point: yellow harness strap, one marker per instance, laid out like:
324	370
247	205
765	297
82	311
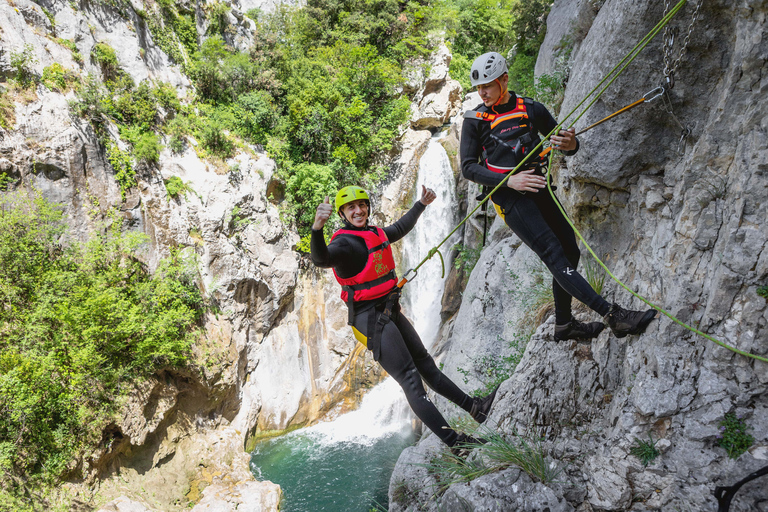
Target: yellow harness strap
362	338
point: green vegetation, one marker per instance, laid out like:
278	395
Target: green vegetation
595	275
106	57
645	450
733	436
500	451
78	323
763	291
7	110
514	28
21	63
466	258
55	77
176	187
536	300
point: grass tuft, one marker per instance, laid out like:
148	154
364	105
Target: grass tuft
645	450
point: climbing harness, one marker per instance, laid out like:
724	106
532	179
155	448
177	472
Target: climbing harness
377	321
597	91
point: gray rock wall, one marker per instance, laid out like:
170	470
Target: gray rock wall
680	223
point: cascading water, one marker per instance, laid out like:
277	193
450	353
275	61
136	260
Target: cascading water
345	464
422	298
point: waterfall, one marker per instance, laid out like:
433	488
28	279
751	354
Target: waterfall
422	298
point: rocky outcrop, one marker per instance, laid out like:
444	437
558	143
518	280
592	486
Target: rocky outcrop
276	354
438	98
679	221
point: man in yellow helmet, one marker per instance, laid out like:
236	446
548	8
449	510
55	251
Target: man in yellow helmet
362	262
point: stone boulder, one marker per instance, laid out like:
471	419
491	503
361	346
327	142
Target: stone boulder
439	97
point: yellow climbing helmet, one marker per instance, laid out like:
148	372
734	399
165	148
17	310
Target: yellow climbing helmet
349	194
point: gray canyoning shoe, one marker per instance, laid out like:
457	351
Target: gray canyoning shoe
575	330
625	321
482	406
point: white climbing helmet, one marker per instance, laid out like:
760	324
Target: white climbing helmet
487	68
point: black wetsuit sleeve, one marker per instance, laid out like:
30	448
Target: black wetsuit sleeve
318	250
471	149
544	123
346	254
403	225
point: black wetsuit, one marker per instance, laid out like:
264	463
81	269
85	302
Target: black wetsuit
403	355
533	216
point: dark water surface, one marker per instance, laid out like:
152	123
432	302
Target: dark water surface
318	475
343	465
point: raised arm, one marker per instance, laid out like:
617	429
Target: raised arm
405	223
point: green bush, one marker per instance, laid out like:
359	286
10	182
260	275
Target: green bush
645	450
214	139
54	77
147	148
763	291
21	63
176	187
105	56
90	102
78	324
122	164
733	435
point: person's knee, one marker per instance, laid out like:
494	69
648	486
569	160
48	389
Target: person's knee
412	385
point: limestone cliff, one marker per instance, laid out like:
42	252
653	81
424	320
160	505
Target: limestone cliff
276	352
673	197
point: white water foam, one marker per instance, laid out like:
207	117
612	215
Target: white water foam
383	412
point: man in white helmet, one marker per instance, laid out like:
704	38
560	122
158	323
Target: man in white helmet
496	136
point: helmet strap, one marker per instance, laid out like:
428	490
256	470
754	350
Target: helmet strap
502	93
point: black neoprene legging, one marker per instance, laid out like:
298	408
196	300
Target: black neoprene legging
535	218
404	357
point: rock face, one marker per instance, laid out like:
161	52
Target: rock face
277	355
438	99
681	221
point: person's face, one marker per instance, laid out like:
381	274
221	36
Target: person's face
356	212
491	92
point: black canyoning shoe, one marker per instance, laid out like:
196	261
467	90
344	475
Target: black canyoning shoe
625	321
465	444
575	330
481	406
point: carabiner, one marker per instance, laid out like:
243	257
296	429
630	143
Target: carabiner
657	92
405	277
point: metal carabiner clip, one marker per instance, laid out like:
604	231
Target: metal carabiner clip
406	279
654	93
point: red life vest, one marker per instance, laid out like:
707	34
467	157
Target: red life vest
511	137
377	277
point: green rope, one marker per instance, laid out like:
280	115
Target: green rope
604	83
610	78
654	306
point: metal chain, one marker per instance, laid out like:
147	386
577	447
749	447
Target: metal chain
669	41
